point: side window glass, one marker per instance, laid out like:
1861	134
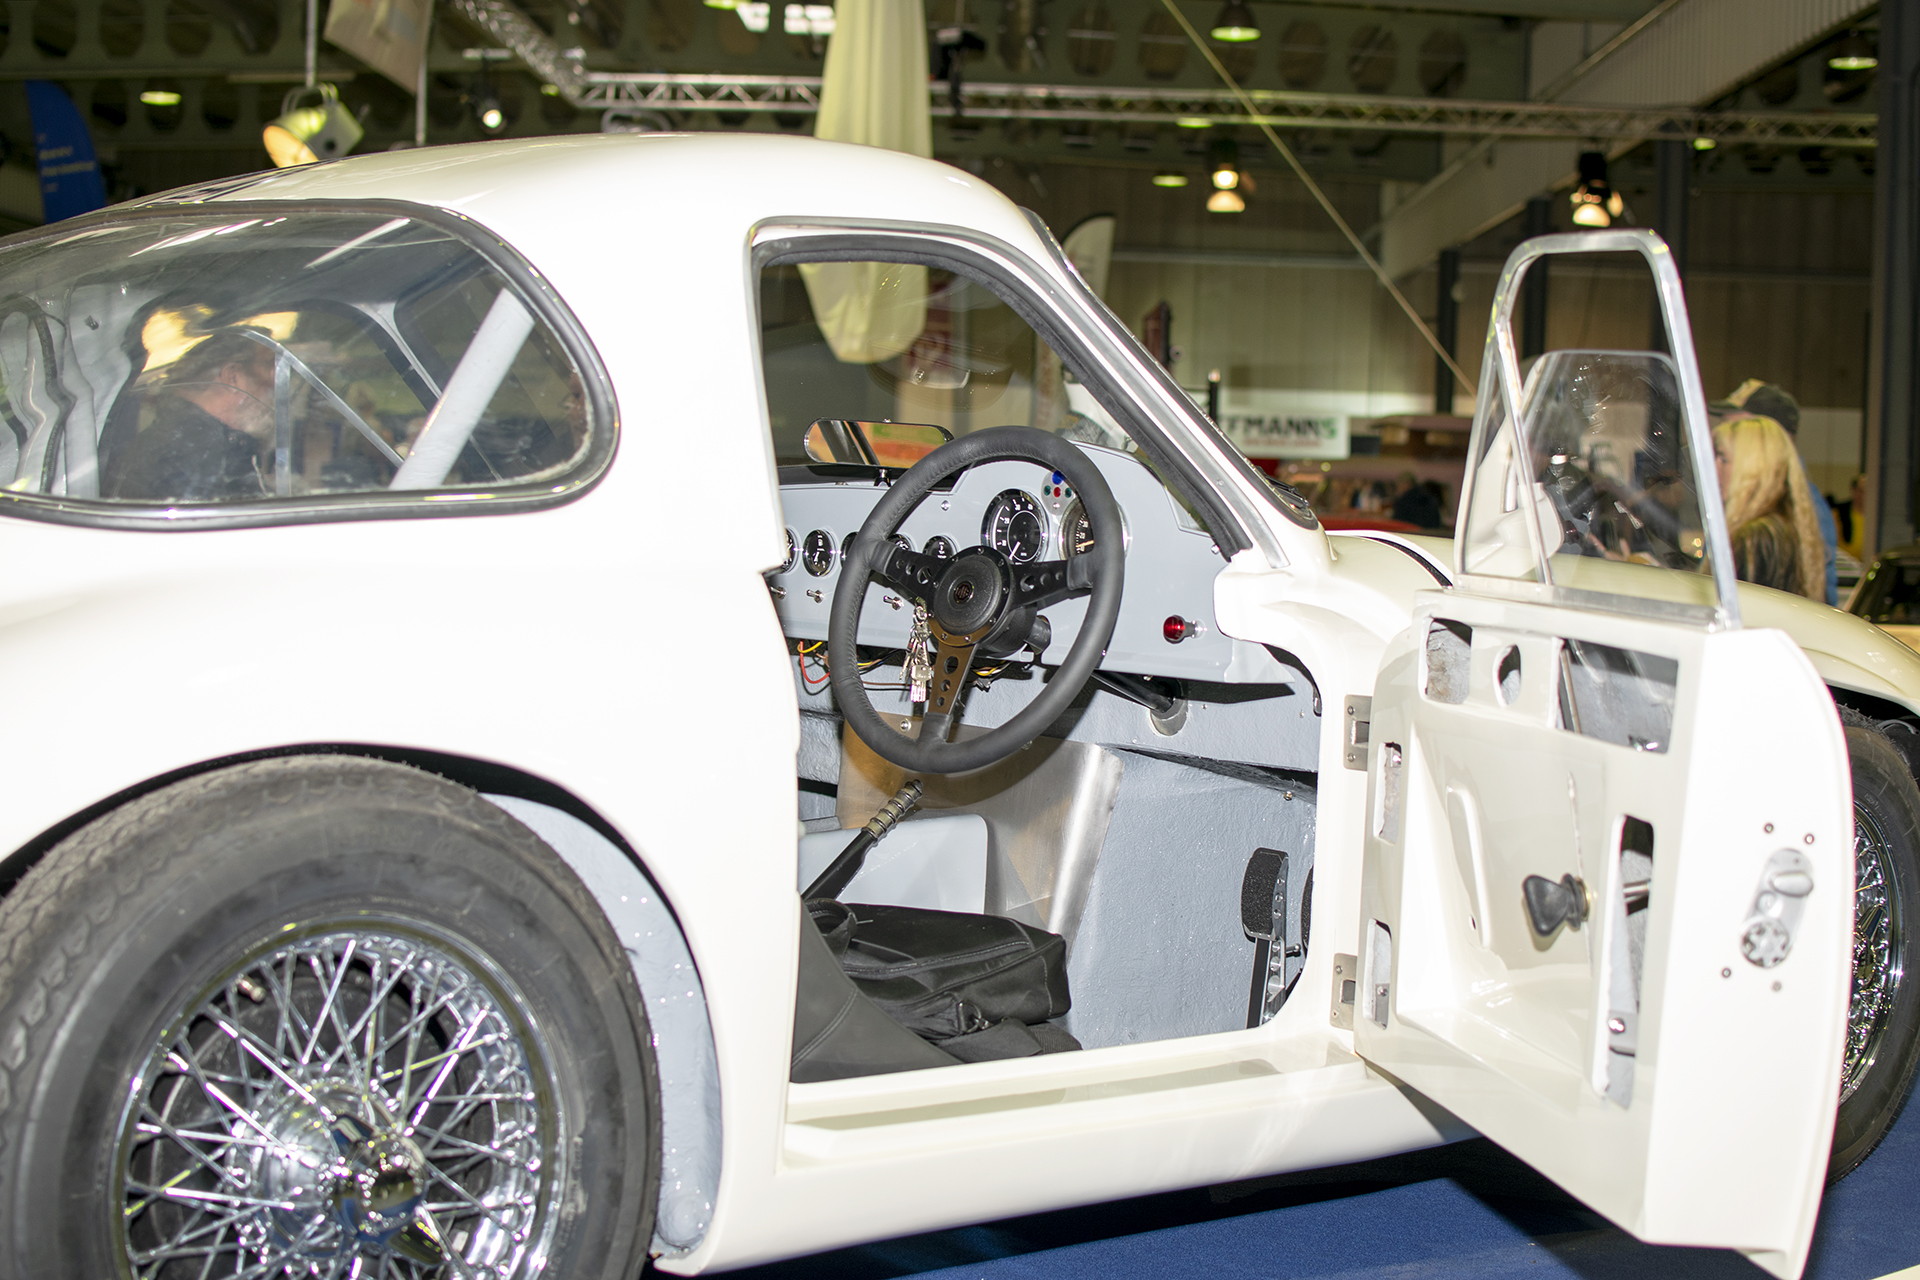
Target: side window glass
1497	542
1610	484
214	359
901	342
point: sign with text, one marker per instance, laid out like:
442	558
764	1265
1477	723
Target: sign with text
1283	431
1306	422
70	180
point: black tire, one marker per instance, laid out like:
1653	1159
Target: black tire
207	920
1883	1019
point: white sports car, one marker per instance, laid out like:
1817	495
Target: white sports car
701	697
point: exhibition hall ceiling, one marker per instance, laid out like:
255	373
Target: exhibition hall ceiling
178	90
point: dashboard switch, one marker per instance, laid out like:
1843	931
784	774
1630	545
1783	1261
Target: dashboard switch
1177	628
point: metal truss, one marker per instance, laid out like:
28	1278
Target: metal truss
659	91
800	95
515	30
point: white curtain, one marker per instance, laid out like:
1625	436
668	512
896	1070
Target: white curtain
873	92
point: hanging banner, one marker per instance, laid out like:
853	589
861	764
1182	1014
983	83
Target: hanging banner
388	35
63	149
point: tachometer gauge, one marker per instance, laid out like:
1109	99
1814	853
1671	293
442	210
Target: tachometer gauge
817	553
793	553
1015	527
938	547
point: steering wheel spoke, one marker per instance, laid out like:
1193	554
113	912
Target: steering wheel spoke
911	573
952	668
1035	586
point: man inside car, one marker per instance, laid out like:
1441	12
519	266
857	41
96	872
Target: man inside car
212	416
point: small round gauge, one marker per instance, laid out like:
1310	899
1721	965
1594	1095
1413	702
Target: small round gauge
846	545
1015	527
938	547
1076	531
817	553
793	553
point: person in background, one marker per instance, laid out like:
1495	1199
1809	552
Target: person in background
1770	507
1417	504
1771	401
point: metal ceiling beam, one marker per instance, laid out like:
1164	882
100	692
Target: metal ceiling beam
659	91
516	31
1690	52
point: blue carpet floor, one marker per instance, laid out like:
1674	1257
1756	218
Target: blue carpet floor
1469	1210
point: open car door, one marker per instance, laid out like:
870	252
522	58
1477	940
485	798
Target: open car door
1608	884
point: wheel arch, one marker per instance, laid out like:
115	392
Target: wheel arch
645	922
1884	713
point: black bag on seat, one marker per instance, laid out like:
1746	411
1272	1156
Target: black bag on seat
838	1032
949	974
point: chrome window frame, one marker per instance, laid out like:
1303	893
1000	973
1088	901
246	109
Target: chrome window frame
1500	377
372	504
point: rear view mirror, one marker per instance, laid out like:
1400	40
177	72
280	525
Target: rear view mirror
872	444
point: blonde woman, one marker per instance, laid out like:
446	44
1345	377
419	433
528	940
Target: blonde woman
1770	516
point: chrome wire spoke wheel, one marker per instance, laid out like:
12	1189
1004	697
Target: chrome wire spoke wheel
347	1102
1877	947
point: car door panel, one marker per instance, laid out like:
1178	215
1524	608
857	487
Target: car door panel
1698	1112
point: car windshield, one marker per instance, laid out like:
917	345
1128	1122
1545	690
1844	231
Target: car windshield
1891	593
893	342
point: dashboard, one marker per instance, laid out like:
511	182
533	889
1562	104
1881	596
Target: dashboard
1028	514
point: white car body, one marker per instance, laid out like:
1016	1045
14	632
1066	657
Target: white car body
665	705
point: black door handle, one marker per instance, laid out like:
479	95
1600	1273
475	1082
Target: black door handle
1551	904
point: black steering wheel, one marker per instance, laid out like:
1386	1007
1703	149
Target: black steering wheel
978	600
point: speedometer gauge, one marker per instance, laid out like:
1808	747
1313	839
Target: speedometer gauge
1015	527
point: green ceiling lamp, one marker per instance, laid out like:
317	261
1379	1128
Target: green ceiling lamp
321	130
1236	24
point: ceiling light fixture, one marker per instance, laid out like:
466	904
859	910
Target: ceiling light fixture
1595	203
1194	122
160	98
1223	158
1169	179
486	109
1226	202
1857	52
1236	24
1704	144
321	131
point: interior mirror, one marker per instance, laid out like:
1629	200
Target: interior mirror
872	444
